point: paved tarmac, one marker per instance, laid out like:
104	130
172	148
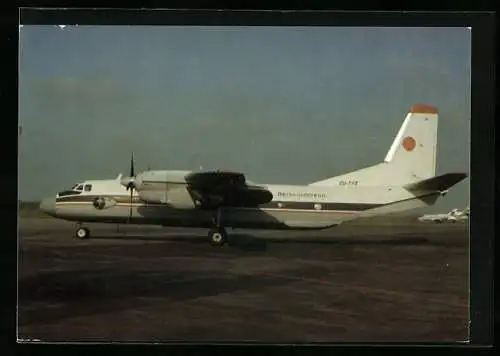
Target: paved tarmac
403	282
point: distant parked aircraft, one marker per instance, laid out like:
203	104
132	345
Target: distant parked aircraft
453	216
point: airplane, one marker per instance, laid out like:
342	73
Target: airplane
220	199
453	216
460	215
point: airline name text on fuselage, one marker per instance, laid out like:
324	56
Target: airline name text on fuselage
301	195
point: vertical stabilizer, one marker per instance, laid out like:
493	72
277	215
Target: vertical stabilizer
411	157
414	148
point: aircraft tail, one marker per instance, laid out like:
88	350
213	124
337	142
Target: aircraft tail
465	211
411	157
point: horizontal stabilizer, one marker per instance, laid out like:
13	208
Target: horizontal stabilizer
438	183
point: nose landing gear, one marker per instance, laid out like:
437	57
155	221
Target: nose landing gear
82	232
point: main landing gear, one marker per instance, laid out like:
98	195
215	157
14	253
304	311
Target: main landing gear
82	233
217	235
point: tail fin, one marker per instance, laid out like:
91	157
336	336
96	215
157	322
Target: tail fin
411	157
466	211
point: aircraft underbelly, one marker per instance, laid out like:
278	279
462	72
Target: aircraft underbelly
287	218
164	215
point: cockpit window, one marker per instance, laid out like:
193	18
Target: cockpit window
68	192
88	187
74	190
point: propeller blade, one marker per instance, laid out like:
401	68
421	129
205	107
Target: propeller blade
130	206
130	180
132	171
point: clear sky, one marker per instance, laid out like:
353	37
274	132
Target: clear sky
281	104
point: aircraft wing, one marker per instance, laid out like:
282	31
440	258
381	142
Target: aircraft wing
438	183
223	188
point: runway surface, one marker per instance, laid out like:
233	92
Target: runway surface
401	282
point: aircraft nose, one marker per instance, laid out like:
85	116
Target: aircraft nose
48	205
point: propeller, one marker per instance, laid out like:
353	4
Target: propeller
129	183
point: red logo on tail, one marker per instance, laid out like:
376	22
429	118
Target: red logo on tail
409	143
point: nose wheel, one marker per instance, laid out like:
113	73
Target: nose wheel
82	233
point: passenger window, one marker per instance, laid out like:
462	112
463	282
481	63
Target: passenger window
88	187
80	187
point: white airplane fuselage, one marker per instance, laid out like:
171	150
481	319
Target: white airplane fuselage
292	207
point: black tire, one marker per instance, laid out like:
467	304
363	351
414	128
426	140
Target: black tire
82	233
217	237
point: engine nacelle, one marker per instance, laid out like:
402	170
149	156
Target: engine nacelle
152	196
178	198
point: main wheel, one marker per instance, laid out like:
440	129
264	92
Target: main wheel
217	237
82	233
